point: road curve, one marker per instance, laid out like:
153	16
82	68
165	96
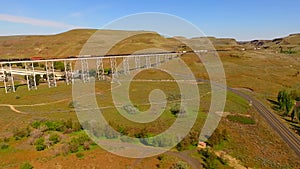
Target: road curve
288	136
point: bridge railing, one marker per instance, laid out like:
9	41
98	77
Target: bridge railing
88	66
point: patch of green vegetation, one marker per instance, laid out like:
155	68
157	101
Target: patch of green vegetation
51	125
180	165
57	125
211	160
235	103
289	51
74	145
55	138
177	111
241	119
26	165
21	133
80	142
188	142
4	146
40	144
79	155
217	137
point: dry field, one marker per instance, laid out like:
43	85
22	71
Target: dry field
262	72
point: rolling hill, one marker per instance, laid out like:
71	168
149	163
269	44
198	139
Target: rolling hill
71	42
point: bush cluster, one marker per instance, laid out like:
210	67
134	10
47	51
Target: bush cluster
211	160
180	165
190	140
3	145
40	144
57	125
26	165
82	140
21	133
241	119
217	137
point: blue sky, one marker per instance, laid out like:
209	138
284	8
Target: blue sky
243	20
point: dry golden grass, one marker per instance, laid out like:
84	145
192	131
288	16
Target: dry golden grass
265	72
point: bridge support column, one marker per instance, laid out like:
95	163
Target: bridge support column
113	66
170	56
137	60
85	73
8	79
51	79
148	62
30	76
157	57
68	73
12	79
126	65
100	69
4	77
165	58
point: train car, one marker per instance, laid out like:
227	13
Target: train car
36	58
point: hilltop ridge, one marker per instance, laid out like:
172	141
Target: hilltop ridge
70	43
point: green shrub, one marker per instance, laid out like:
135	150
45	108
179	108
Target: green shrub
122	130
72	104
55	138
40	144
176	110
76	126
36	124
190	140
211	160
3	146
110	133
79	155
86	145
241	119
21	133
73	145
59	66
55	126
49	125
68	124
26	165
83	138
40	147
180	165
217	137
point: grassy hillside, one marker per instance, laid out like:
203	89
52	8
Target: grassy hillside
291	42
70	43
49	46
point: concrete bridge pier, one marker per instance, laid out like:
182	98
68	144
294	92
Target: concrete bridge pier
69	77
51	79
30	76
8	79
100	69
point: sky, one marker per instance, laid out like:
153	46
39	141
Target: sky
242	20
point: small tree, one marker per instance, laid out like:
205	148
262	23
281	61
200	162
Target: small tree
285	101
